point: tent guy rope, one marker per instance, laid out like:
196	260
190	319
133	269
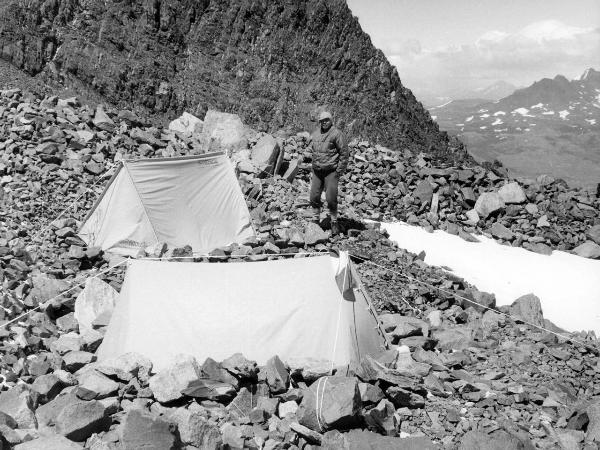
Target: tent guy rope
72	288
515	318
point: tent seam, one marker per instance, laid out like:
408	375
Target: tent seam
141	201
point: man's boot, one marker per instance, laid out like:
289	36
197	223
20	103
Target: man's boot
316	216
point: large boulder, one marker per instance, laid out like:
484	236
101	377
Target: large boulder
588	249
423	192
79	420
265	154
593	428
19	403
362	439
141	430
594	233
56	442
186	124
47	414
96	298
45	288
97	385
102	121
223	131
194	429
529	309
330	402
488	203
512	193
277	376
168	384
498	440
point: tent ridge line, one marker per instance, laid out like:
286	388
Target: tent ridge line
97	202
141	200
176	158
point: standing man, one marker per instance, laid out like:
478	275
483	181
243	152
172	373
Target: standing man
330	160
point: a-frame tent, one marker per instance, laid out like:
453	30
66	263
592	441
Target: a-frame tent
191	200
311	309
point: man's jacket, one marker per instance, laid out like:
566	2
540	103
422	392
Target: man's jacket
329	150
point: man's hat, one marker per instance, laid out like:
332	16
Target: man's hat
325	115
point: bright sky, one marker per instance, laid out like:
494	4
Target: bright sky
451	44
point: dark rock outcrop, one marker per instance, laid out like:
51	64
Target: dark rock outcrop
273	63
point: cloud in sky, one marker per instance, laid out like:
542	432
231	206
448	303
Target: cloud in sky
541	49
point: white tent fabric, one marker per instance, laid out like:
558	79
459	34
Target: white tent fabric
193	200
292	308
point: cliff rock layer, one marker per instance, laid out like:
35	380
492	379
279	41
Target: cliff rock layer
273	62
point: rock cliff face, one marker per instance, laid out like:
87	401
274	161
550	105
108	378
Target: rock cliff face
273	62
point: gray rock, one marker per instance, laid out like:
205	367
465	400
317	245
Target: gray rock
100	385
593	234
233	436
222	131
370	394
488	203
265	153
49	443
423	192
501	232
69	342
127	366
498	440
19	403
79	420
588	249
593	429
95	299
102	120
338	404
277	376
512	193
47	414
48	386
455	338
381	418
314	234
77	359
287	408
362	439
195	430
141	430
529	309
168	384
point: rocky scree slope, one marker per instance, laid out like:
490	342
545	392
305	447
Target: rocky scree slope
273	63
473	377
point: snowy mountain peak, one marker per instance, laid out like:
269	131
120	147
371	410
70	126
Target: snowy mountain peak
590	75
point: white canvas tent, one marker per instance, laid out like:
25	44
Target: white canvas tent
193	200
292	308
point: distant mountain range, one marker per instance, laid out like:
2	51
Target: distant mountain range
495	91
552	126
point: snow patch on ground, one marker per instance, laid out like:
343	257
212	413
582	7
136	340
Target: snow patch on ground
591	121
499	113
468	119
563	114
433	117
546	113
522	111
484	116
539	105
497	122
568	285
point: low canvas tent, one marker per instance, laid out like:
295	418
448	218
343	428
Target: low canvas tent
191	200
303	309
